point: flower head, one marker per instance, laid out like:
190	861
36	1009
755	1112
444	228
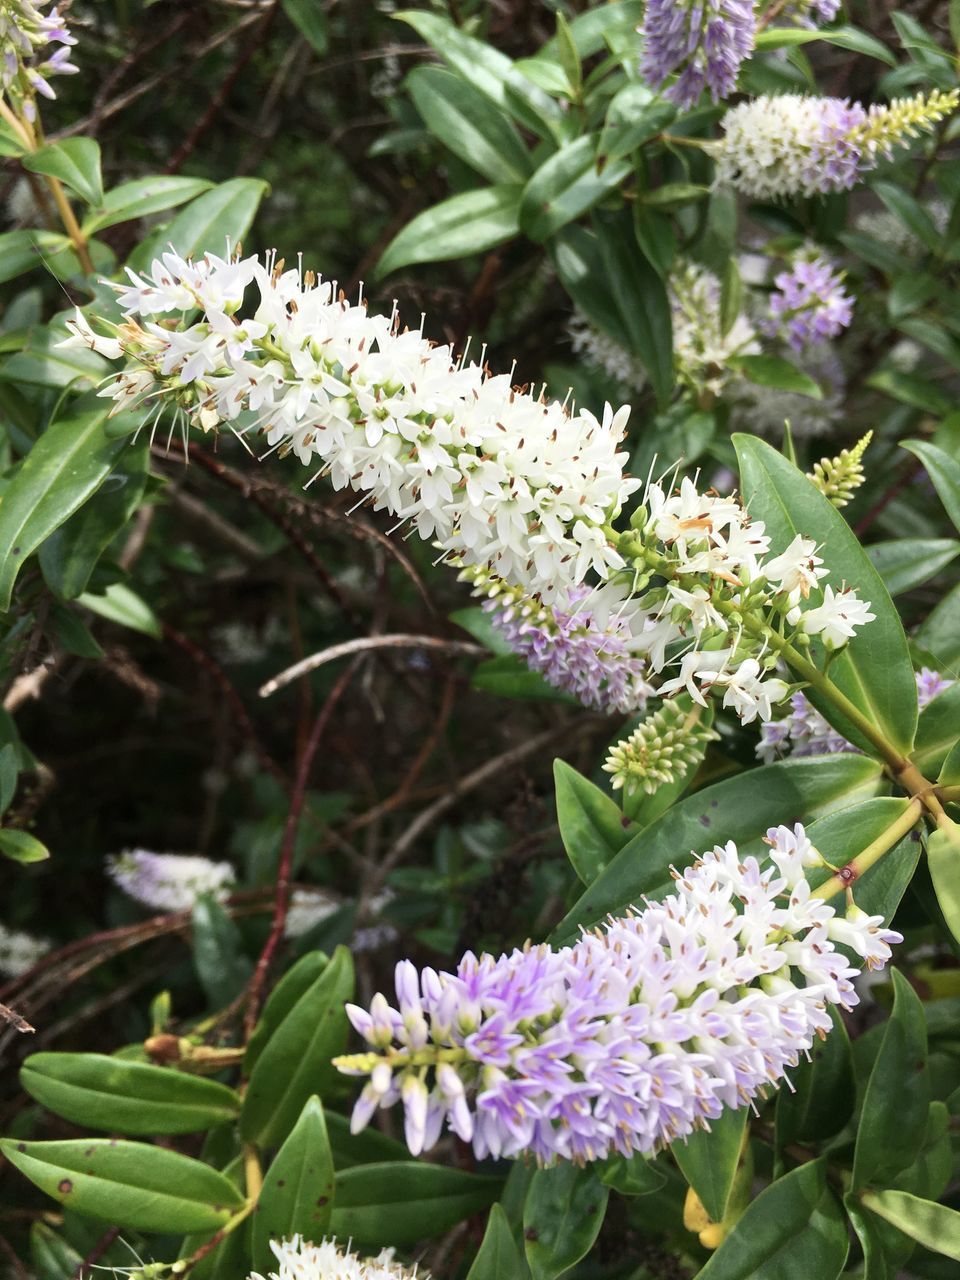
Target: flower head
170	881
308	908
664	748
297	1259
19	951
704	40
702	350
633	1037
34	45
808	306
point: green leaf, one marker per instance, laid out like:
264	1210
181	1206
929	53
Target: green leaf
774	371
20	846
943	859
912	389
944	471
878	1262
298	1189
65	467
508	676
632	1175
731	296
478	623
123	606
366	1147
75	161
674	193
490	71
591	30
635	115
939	634
71	632
378	1205
897	1096
222	214
498	1257
822	1095
310	19
582	271
566	185
794	1228
935	1226
562	1217
905	563
296	982
295	1062
708	1160
874	670
741	808
569	54
911	213
129	1184
469	223
221	967
592	827
53	1257
45	363
467	122
844	37
21	251
937	730
70	554
641	299
143	197
840	836
127	1097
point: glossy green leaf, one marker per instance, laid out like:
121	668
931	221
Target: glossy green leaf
498	1257
221	967
21	251
937	731
794	1229
874	670
569	54
911	213
708	1160
469	223
135	1098
295	1063
298	1188
674	194
467	122
911	389
120	604
378	1205
641	300
75	161
935	1226
943	859
774	371
562	1217
582	271
944	471
845	37
129	1184
490	71
939	633
53	1258
143	197
508	676
741	808
21	846
905	563
895	1103
841	835
310	19
632	1176
821	1096
878	1262
70	554
566	185
592	827
635	115
71	632
223	214
296	982
65	467
949	775
591	30
366	1147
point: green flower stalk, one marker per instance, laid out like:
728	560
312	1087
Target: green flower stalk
840	477
666	747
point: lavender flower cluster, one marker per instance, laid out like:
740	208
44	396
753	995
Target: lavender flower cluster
809	305
637	1035
704	40
28	57
804	731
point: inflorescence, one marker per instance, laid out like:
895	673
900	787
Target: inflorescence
635	1036
298	1259
33	47
808	306
705	41
170	881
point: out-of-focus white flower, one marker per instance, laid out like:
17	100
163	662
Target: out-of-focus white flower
170	881
297	1259
308	908
19	951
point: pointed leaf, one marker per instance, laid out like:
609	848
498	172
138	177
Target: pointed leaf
142	197
822	1097
944	471
905	563
499	1257
21	846
379	1205
469	223
467	122
592	827
935	1226
75	161
562	1216
566	185
708	1160
297	1195
943	859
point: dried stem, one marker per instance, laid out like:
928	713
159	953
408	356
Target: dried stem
365	644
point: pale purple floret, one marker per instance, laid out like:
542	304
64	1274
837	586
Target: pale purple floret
28	37
637	1035
704	40
804	732
574	652
809	305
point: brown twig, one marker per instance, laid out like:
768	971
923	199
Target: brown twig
16	1021
298	800
96	1253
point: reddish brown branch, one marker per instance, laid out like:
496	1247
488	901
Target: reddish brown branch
85	1268
284	869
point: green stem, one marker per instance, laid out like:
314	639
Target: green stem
857	866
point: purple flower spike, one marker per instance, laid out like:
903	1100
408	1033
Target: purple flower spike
637	1035
704	40
809	305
